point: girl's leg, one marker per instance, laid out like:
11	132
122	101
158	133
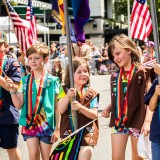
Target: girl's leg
155	150
85	153
134	141
33	148
119	142
45	150
14	154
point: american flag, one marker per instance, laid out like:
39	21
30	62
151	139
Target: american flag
32	19
20	28
141	24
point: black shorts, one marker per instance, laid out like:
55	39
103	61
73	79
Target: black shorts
9	136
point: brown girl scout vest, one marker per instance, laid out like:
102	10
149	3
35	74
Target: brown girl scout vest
136	107
91	132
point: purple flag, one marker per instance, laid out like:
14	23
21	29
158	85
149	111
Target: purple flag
81	14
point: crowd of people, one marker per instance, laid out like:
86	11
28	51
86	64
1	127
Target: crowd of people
38	84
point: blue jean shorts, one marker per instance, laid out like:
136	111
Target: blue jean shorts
45	139
155	150
9	136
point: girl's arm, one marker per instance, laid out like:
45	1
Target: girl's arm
57	114
154	100
17	99
146	125
148	118
90	113
63	102
5	86
55	134
106	111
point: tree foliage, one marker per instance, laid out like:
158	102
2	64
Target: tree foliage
121	8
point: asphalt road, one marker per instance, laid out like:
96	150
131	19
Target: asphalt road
102	150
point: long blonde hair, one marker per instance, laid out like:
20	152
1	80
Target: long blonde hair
124	42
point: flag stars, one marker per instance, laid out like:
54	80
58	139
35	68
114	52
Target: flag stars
141	1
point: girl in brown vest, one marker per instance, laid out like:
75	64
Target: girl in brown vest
128	85
86	105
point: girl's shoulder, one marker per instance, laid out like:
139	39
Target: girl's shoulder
90	92
147	72
54	78
26	76
114	75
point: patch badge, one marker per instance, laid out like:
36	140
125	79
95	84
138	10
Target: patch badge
16	64
6	68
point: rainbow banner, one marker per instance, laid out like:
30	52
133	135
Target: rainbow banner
69	148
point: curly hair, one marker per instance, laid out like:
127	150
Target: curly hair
77	61
40	48
124	42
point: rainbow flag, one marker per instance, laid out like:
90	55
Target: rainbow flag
58	13
69	148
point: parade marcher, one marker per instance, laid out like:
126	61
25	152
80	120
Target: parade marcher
128	84
152	99
9	115
86	105
37	96
148	51
11	52
57	69
53	50
82	50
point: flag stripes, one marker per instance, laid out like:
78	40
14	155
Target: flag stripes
32	19
26	33
141	24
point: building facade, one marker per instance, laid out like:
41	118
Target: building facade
103	25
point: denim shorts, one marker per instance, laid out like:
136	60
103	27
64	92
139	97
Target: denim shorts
9	136
45	139
155	150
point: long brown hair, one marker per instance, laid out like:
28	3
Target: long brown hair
78	61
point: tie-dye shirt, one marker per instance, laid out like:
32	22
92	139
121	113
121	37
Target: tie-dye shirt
41	127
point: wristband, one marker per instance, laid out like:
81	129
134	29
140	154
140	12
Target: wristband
14	92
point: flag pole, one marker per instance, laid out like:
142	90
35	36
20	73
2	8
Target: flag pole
78	130
128	11
155	32
70	57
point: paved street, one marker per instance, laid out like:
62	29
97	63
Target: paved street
103	149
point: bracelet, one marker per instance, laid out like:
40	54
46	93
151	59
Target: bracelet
14	92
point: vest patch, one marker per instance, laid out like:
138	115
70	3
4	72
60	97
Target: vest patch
67	132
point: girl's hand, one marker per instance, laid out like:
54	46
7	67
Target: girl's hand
9	83
106	111
76	106
55	135
146	128
71	93
157	90
156	67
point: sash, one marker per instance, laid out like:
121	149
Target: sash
121	116
2	67
32	113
